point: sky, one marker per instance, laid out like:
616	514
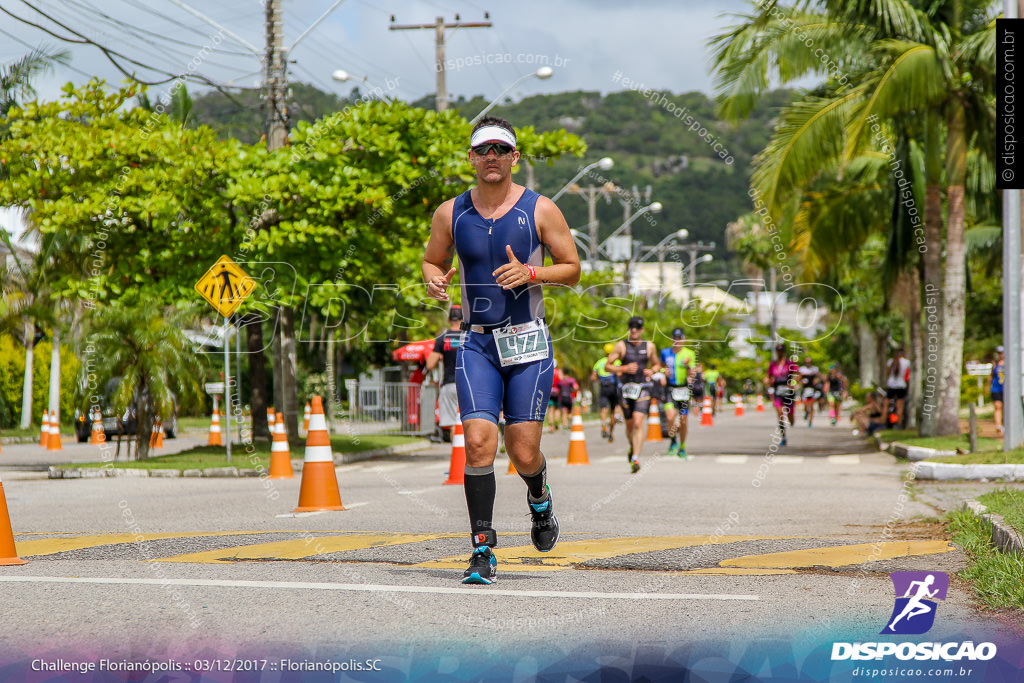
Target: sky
657	43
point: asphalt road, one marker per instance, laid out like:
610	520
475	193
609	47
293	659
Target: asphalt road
741	548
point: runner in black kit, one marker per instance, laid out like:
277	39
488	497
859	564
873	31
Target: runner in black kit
499	231
639	361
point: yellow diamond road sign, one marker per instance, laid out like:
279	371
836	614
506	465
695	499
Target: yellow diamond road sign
225	286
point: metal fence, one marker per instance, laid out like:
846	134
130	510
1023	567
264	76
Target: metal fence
387	408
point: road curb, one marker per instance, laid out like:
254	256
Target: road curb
916	453
944	471
71	472
948	471
17	440
1004	537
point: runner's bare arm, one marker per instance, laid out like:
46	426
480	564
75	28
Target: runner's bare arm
440	253
554	233
618	353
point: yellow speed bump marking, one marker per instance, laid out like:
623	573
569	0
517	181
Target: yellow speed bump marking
51	546
301	548
840	556
569	553
735	571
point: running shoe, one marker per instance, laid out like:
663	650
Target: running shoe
611	437
604	433
483	567
682	453
544	532
673	449
783	442
634	466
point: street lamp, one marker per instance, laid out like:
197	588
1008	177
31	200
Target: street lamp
604	163
542	73
706	258
654	207
681	234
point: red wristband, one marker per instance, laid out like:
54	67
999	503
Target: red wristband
533	272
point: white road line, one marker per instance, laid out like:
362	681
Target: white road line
844	459
731	459
375	588
789	459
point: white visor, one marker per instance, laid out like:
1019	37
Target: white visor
493	134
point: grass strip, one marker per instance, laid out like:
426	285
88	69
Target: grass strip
996	577
205	457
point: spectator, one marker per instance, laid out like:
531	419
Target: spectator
445	347
996	388
869	417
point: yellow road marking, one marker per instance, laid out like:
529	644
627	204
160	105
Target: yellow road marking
50	546
840	556
569	553
299	548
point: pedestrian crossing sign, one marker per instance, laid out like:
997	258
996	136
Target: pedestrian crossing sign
225	285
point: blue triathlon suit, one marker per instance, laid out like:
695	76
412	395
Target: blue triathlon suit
485	388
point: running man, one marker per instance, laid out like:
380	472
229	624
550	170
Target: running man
897	381
639	361
782	377
608	396
679	361
808	379
499	230
835	388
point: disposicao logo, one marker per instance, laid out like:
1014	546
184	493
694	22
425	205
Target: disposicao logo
914	613
916	595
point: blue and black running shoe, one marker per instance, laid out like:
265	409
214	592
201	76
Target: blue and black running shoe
483	567
544	533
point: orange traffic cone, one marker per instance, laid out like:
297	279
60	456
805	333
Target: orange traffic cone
44	436
739	407
98	436
157	441
53	444
270	421
653	422
577	440
705	413
280	453
760	403
457	466
305	419
319	487
8	554
511	467
215	439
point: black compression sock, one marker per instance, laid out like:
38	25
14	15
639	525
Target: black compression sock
536	482
480	488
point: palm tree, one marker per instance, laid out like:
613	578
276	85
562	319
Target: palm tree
16	77
910	63
146	349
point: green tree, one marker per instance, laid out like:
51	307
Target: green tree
897	67
144	347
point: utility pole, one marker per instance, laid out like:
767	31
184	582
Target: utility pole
275	81
439	25
591	193
628	200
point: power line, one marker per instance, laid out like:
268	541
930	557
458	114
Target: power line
158	51
33	47
110	54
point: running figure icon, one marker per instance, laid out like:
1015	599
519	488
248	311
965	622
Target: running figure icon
916	602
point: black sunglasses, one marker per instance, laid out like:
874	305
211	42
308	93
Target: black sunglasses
500	148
